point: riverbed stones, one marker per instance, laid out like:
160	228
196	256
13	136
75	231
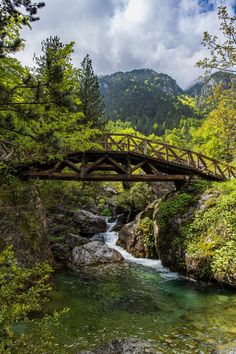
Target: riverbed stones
92	254
124	346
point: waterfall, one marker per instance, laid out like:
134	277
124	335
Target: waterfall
111	237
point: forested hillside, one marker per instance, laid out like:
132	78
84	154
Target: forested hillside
152	102
204	88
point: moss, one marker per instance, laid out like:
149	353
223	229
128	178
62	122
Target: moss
173	207
212	233
146	226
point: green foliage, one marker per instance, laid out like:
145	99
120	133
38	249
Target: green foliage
23	292
106	212
120	127
146	226
222	55
136	198
224	263
214	136
212	233
12	18
170	208
102	205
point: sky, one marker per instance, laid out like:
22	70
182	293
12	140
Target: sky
123	35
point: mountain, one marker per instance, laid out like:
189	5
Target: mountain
147	99
202	89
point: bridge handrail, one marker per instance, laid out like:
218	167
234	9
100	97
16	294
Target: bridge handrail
193	159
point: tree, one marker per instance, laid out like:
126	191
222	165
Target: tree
11	21
45	119
222	55
92	102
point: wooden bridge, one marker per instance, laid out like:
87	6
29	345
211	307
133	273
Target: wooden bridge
123	157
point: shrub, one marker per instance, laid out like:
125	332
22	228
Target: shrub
146	226
23	292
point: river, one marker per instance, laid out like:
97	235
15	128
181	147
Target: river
141	299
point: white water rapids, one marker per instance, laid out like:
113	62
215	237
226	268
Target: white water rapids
111	238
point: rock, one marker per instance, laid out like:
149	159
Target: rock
92	207
131	236
171	256
229	348
117	227
81	222
162	188
88	223
24	226
92	254
62	247
98	237
60	253
73	240
124	346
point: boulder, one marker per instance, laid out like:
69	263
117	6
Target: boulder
131	237
124	346
81	222
62	247
88	223
92	254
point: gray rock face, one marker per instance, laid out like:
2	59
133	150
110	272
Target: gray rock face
124	346
61	250
25	227
131	239
75	240
89	224
92	254
81	222
131	236
229	348
117	227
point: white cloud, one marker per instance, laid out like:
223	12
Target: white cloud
164	35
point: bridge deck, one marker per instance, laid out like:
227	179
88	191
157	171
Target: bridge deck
122	157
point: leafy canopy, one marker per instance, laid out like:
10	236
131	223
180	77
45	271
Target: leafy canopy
222	54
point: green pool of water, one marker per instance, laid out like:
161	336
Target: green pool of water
179	316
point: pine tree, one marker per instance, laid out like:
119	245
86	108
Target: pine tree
13	15
89	93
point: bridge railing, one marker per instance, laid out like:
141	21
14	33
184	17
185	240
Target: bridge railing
168	153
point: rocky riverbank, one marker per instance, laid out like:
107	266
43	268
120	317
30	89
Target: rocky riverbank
192	231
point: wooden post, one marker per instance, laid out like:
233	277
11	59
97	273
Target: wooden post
145	147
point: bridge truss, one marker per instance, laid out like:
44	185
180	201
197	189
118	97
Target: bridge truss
123	157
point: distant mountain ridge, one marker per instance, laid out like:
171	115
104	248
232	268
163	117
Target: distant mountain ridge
150	100
204	88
